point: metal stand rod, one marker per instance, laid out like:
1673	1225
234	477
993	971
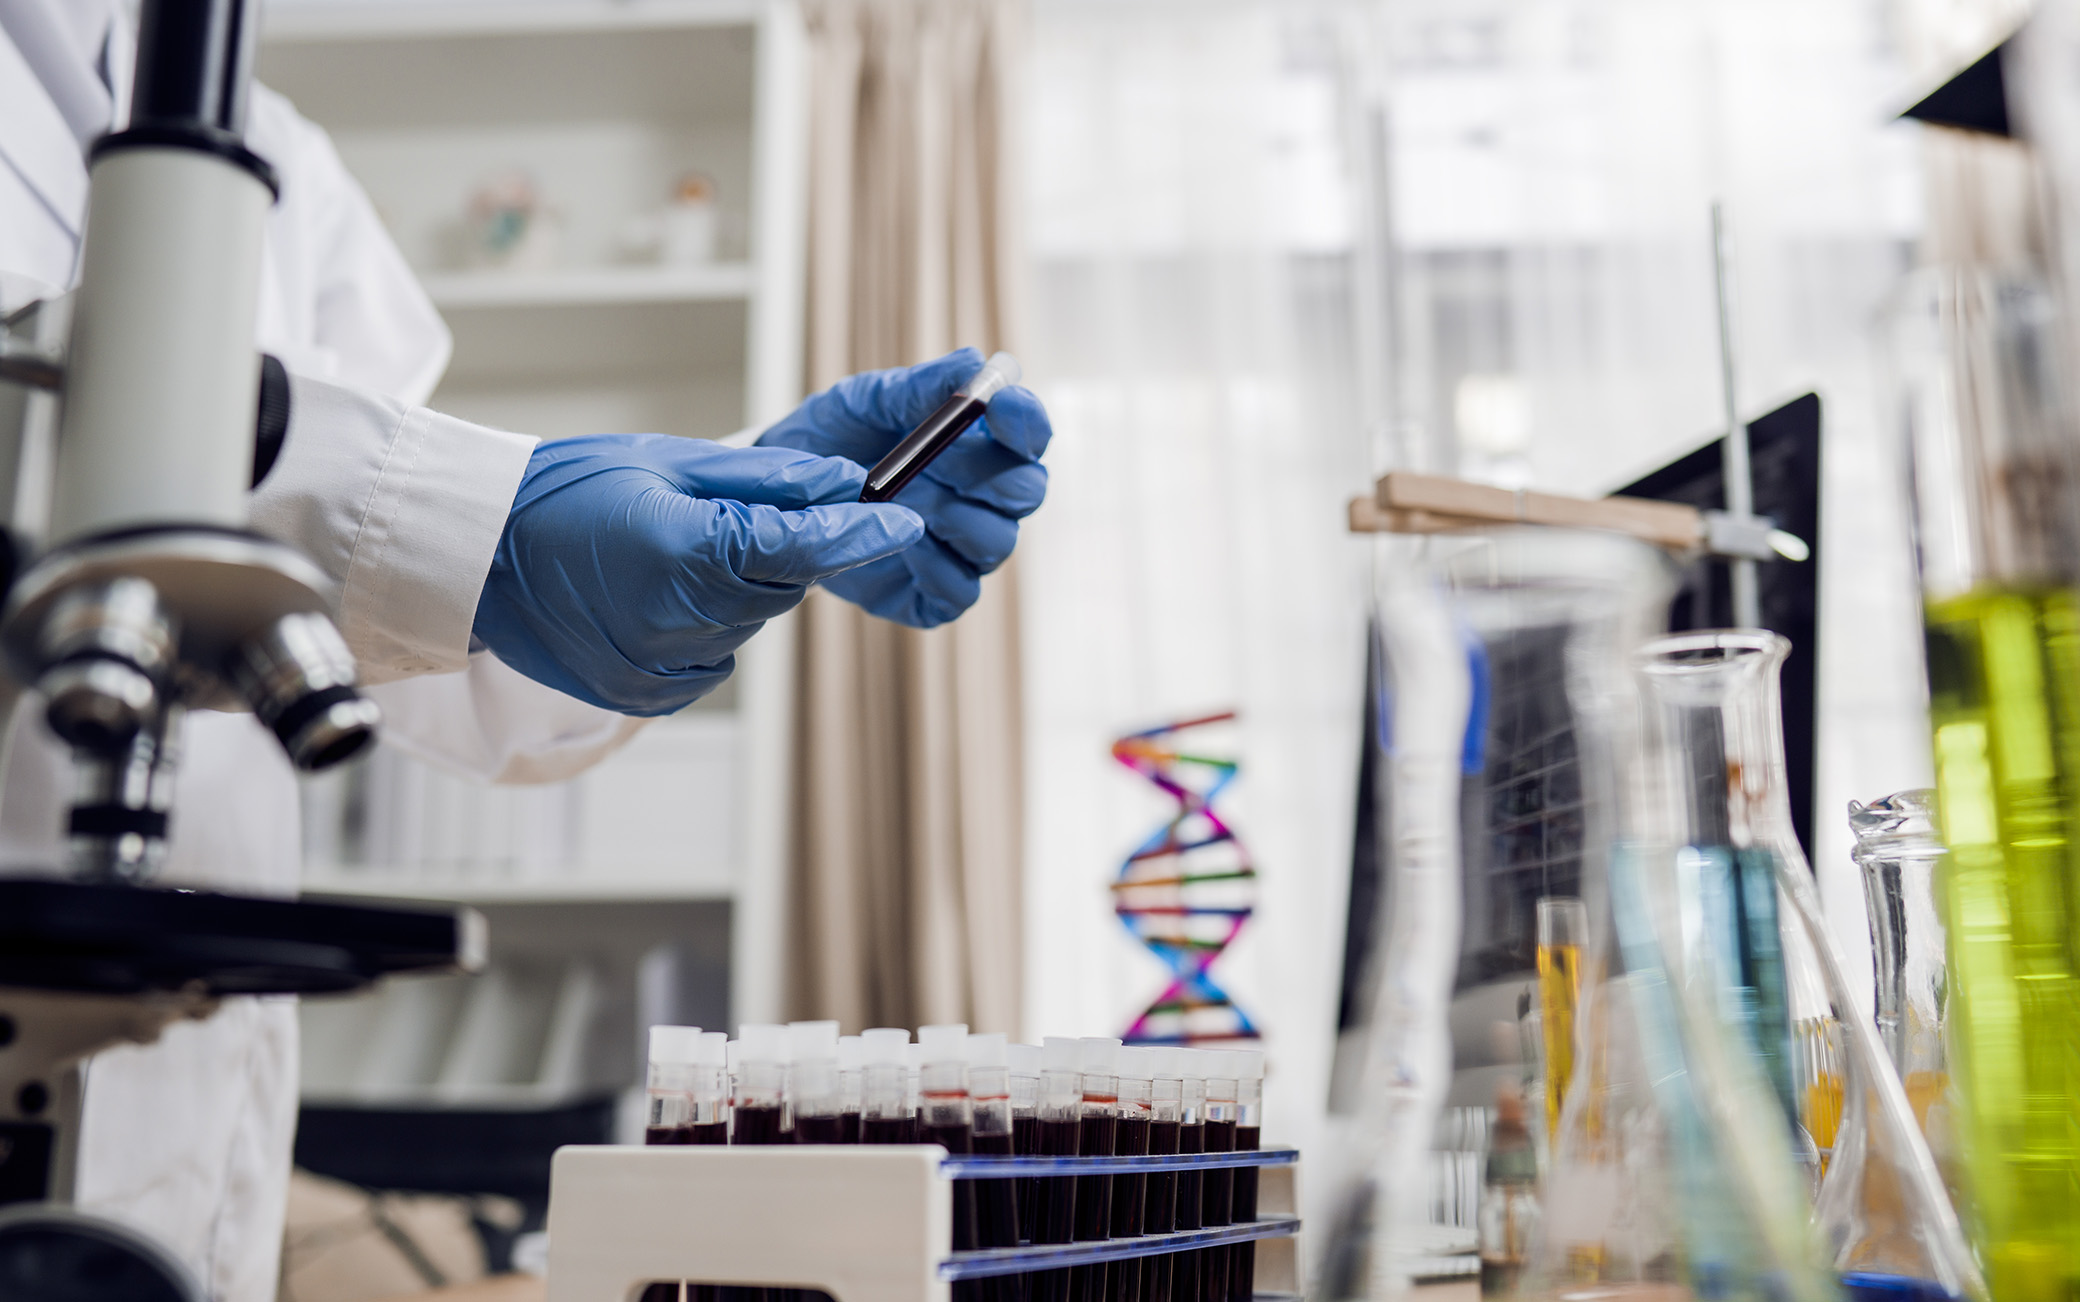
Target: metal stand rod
1740	480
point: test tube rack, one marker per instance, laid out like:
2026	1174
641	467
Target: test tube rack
863	1224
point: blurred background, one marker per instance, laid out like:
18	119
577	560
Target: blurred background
1253	253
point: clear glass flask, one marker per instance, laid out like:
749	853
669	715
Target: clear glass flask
1898	852
1979	362
1714	714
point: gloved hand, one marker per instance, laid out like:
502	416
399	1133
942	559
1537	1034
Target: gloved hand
633	565
971	498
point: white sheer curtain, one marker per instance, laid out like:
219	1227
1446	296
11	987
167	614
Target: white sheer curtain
1277	246
1554	166
1191	214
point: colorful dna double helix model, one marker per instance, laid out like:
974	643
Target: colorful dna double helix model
1186	891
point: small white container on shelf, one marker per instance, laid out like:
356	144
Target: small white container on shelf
865	1223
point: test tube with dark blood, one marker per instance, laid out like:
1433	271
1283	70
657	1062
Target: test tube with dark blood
1218	1195
885	1116
936	432
1249	1111
1061	1135
1024	1061
948	1115
813	1094
670	1100
1098	1059
761	1084
757	1116
851	1060
1159	1213
1130	1139
989	1097
1191	1138
710	1117
672	1051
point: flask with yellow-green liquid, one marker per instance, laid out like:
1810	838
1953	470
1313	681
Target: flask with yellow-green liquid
1997	506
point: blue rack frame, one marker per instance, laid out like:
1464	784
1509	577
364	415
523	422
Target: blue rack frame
984	1263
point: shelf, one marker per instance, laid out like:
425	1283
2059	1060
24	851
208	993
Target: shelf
398	884
589	287
329	20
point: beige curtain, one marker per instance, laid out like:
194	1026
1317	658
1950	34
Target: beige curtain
907	791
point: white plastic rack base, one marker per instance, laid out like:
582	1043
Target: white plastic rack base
863	1224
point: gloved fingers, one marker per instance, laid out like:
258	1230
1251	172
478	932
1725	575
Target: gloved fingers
924	587
1016	419
981	534
886	404
765	476
648	694
762	544
983	470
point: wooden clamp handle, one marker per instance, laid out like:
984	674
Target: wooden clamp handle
1405	502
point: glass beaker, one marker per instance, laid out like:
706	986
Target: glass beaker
1979	359
1504	654
1715	723
1897	852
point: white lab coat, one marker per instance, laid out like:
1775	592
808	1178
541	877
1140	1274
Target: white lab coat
189	1138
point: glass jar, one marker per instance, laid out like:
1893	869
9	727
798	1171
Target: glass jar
1979	362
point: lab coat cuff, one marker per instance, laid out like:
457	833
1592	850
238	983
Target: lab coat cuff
403	507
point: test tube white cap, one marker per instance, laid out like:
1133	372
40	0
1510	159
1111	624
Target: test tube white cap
987	1049
1169	1062
1024	1059
763	1041
1098	1055
1249	1064
1059	1053
913	1056
1137	1062
1000	372
1220	1065
884	1046
733	1055
852	1053
674	1043
713	1050
1191	1063
946	1043
812	1041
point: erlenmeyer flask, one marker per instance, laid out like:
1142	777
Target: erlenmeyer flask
1745	900
1979	365
1713	710
1898	852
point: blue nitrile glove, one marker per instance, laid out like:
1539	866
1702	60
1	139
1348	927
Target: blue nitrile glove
633	565
971	498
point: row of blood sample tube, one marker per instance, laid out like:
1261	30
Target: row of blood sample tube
803	1083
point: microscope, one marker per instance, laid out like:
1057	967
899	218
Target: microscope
135	416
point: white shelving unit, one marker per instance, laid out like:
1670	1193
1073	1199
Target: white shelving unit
604	104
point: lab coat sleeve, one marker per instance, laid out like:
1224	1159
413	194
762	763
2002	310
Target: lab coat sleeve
401	507
491	721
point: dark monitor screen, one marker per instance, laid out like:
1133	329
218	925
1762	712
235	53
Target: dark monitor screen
1522	812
